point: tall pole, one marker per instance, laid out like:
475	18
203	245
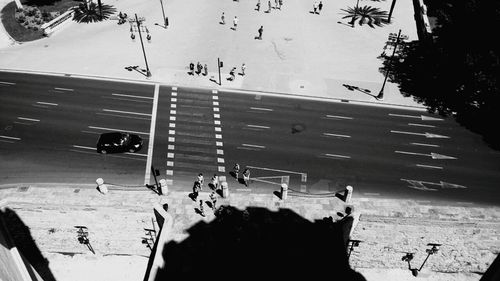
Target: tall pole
218	66
390	12
381	93
148	73
163	12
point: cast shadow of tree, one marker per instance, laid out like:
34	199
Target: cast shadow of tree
257	243
22	239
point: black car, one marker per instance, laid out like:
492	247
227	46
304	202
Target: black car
118	142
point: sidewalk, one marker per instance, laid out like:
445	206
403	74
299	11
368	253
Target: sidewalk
116	223
300	53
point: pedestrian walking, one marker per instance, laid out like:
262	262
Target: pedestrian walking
222	19
320	6
202	212
205	69
213	198
236	170
196	190
315	7
199	67
200	180
243	67
281	3
191	68
258	5
269	5
261	29
246	176
235	22
231	73
215	182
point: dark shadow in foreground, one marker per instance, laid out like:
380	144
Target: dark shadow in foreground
256	243
22	239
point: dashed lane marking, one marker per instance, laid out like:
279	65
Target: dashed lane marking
126	112
336	135
28	119
123	116
338	117
258	126
218	143
173	112
421	125
10	138
133	96
120	130
174	88
7	83
253	145
428	166
220	152
424	144
46	103
336	156
64	89
261	109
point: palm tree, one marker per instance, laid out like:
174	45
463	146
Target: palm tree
92	13
366	14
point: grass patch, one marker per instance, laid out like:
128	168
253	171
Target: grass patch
23	34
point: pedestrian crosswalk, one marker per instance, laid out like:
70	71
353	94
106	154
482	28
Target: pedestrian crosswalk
195	136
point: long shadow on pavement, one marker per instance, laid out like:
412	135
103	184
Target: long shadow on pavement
260	244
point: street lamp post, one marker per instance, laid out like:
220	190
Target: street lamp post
390	12
148	73
381	93
165	21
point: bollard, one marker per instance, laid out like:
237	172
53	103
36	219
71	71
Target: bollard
284	191
348	194
163	188
225	189
101	186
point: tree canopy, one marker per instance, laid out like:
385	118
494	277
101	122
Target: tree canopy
458	73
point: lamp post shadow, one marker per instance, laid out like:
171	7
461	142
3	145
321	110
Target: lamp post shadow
364	91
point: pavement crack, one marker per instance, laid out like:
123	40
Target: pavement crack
280	54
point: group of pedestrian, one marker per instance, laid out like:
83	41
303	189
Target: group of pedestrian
277	5
317	7
223	21
198	186
199	69
232	75
245	175
122	18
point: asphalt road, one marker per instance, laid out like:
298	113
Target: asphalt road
50	126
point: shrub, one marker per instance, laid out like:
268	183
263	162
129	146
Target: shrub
21	19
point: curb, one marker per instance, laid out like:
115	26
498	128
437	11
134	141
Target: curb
222	89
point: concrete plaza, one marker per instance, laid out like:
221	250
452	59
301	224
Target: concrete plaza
301	53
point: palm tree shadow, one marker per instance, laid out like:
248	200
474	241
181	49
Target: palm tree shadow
258	242
19	236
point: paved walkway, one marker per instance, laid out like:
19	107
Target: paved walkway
301	53
116	223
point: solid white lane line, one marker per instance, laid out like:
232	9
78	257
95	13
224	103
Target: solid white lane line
253	145
261	108
46	103
338	117
424	144
125	112
428	166
120	130
132	96
257	126
336	155
421	125
10	138
336	135
7	83
28	119
147	174
64	89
